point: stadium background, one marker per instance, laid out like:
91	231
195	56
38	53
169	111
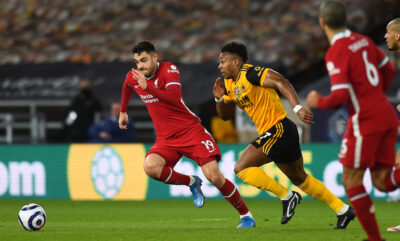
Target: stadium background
47	47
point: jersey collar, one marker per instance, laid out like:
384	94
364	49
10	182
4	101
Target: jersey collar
344	34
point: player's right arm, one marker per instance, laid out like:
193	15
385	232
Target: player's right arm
225	107
127	92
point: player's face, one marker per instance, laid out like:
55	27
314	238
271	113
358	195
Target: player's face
392	38
227	64
146	62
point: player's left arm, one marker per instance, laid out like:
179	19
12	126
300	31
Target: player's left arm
386	69
276	81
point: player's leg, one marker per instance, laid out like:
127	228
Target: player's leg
316	189
248	169
228	190
284	149
155	167
361	201
357	154
203	149
159	164
262	151
384	177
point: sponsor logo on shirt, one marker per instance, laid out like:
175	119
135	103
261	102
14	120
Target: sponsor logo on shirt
148	98
173	69
332	70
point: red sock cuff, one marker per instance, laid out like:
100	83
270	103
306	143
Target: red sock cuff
227	189
166	174
354	191
170	176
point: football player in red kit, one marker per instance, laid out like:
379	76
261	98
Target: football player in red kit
360	74
179	131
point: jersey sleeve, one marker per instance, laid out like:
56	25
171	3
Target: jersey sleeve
256	75
171	76
127	91
337	70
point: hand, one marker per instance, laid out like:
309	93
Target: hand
140	78
312	99
306	116
219	88
123	121
105	135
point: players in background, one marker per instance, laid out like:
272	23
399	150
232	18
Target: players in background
253	89
360	74
392	37
178	130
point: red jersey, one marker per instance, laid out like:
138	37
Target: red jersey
163	99
360	74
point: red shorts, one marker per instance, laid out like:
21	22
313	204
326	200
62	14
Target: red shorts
374	151
195	143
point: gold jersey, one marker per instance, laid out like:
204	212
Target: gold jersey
262	104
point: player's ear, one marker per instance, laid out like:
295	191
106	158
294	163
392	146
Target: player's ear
155	57
397	36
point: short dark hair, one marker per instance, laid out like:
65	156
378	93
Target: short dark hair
236	48
143	46
334	13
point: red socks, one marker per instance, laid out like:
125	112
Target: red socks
365	211
170	176
392	181
232	195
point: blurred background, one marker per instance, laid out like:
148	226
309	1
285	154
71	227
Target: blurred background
62	63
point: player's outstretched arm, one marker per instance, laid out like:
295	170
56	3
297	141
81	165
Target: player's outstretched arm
123	121
225	108
276	81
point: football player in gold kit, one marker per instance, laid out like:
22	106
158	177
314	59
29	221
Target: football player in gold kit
253	89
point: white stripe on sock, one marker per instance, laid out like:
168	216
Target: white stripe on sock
166	180
231	193
359	196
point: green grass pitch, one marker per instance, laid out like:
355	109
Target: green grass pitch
161	220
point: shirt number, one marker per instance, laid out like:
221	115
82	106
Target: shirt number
372	73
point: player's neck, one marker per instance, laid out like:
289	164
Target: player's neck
154	72
330	33
237	73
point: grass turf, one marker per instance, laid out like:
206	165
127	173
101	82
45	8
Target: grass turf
162	220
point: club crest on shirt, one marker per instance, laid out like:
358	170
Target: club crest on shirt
236	92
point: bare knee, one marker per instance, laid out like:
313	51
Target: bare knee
216	178
152	168
213	174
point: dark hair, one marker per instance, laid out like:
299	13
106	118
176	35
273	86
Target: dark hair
334	13
143	46
236	48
